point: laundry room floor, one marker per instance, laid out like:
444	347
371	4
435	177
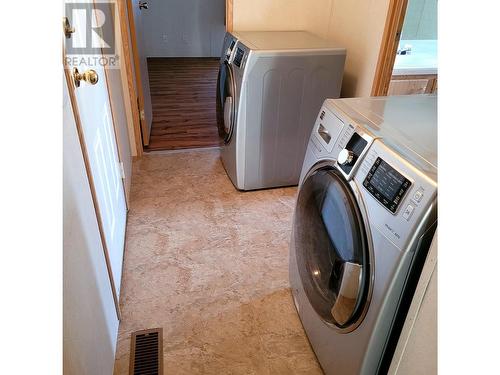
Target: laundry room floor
209	265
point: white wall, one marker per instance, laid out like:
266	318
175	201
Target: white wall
90	324
357	24
182	28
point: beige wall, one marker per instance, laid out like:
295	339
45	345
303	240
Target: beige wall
357	24
281	14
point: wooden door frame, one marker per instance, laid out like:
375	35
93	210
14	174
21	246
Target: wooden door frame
137	70
229	15
129	73
388	47
131	59
86	160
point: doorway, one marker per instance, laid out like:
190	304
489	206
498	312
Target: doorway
407	62
181	42
415	67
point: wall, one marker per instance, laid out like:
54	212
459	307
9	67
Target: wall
356	24
193	28
359	26
420	20
90	324
282	15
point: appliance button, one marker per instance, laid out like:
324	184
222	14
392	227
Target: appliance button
408	212
345	157
417	197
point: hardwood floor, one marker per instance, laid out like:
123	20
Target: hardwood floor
183	92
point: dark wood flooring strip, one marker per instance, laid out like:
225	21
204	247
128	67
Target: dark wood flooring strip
183	92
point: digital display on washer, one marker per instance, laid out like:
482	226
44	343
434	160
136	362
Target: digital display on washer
238	57
386	184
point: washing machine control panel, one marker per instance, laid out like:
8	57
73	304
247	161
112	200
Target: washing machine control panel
229	49
386	184
395	193
352	151
335	137
240	55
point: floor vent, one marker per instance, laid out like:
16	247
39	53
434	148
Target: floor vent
146	352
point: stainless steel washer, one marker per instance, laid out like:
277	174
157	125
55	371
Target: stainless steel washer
365	216
271	85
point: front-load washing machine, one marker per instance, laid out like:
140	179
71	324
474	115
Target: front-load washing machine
271	85
365	215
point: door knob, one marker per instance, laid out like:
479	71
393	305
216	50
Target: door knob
143	5
68	30
89	76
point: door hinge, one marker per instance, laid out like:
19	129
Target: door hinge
121	168
143	115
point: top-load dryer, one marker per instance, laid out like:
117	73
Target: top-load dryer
271	85
365	216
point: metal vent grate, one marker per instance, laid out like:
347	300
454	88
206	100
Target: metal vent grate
146	352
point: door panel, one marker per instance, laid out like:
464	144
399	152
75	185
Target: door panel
97	130
141	68
331	248
225	102
90	322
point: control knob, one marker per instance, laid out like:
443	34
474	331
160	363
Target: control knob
345	157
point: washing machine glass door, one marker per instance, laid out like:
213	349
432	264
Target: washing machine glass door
331	249
225	101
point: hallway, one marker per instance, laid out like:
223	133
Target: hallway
183	92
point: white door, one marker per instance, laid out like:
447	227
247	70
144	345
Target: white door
100	143
90	320
136	8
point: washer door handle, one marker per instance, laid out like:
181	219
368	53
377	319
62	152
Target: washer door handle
345	305
228	113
